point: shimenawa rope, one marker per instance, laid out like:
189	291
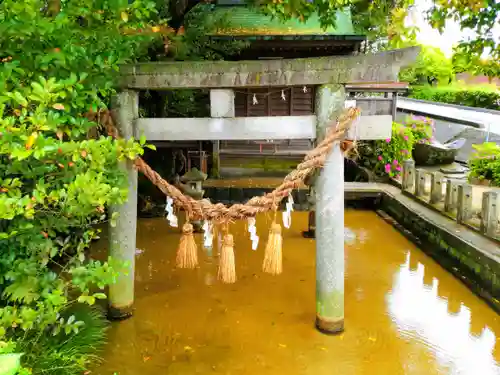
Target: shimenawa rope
221	214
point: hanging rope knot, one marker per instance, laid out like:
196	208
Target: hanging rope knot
347	145
227	266
187	228
228	240
187	253
275	228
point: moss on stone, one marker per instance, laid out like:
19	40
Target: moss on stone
330	305
215	171
266	164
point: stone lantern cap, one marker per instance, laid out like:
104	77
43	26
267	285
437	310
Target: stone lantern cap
194	175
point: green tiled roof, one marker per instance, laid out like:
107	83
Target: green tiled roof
247	21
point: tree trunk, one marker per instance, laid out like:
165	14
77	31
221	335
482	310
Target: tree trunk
54	7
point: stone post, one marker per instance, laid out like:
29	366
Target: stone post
489	214
330	218
420	182
221	106
436	187
450	199
122	237
408	182
464	203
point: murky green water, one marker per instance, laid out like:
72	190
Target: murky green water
404	313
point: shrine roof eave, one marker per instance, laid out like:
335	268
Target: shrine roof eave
379	67
281	37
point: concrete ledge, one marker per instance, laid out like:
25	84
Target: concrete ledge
237	128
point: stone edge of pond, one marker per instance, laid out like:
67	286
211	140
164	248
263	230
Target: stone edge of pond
359	198
472	258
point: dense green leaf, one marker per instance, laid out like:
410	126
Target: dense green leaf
55	183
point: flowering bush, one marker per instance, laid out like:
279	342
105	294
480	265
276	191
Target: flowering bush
385	158
422	128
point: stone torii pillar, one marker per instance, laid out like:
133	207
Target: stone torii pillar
329	189
122	237
329	208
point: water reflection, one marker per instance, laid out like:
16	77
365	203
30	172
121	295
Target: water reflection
349	236
186	322
420	314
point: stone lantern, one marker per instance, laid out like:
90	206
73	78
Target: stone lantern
191	184
194	179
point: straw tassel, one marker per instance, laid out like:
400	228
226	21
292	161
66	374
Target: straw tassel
227	271
187	253
273	256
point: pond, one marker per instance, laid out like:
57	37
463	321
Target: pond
404	314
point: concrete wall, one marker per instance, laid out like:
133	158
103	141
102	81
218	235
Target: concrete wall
237	128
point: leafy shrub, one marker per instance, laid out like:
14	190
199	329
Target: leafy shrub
430	66
64	354
484	163
385	158
55	184
472	96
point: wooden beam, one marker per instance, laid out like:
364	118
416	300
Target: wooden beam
377	86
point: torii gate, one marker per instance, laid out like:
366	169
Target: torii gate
330	74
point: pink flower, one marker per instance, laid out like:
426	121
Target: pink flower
387	168
404	151
380	157
388	140
398	168
405	137
395	162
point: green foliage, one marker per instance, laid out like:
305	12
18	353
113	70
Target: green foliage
478	16
422	128
63	354
196	44
484	163
378	19
10	363
431	66
55	183
385	158
466	60
472	96
384	20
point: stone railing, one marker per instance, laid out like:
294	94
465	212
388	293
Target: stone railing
454	198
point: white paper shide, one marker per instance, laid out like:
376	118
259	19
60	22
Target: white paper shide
171	217
208	234
253	233
287	214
